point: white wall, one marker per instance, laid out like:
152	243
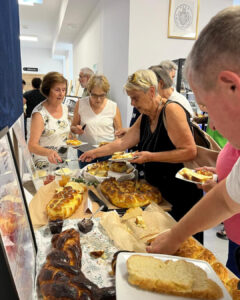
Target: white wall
148	41
87	48
103	43
115	50
41	59
121	37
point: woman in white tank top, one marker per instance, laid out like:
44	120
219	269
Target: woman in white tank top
100	115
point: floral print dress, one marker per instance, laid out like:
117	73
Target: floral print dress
54	135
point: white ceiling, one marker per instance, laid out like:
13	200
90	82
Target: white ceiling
55	22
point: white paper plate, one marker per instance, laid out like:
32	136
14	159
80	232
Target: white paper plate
125	290
179	176
59	172
118	176
122	159
76	147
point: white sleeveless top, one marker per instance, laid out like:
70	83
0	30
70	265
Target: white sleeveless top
100	126
54	135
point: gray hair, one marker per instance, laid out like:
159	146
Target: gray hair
87	71
168	65
162	75
216	49
142	80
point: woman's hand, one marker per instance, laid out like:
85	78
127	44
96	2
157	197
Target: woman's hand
78	129
142	157
53	157
121	132
164	243
88	156
207	186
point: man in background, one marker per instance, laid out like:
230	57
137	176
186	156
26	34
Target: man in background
32	98
84	76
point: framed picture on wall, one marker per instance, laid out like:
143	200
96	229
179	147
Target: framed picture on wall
183	19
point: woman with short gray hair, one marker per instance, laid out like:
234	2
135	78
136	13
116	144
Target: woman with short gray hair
163	146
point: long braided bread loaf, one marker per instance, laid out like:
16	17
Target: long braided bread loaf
61	276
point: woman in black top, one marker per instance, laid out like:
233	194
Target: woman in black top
161	151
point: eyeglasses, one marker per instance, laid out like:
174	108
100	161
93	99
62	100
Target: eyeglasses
95	96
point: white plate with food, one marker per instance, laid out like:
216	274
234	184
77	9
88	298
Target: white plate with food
125	290
63	171
40	174
102	170
75	143
123	156
197	177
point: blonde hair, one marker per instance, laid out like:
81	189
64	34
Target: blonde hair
99	81
142	80
216	49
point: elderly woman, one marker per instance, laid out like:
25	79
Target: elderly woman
100	115
162	149
49	122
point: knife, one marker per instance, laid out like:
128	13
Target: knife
95	198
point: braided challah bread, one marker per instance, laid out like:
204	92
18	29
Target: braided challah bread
61	276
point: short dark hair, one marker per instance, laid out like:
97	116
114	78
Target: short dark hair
36	82
23	81
49	80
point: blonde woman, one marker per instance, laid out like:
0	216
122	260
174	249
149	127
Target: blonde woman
162	149
100	115
49	122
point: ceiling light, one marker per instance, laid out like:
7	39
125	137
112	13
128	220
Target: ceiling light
22	2
28	38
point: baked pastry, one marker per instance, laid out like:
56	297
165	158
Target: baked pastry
73	142
65	201
221	271
119	167
233	286
61	276
197	176
99	169
124	155
11	216
129	193
171	277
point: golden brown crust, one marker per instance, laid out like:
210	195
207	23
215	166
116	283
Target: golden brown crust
64	203
128	193
119	167
221	271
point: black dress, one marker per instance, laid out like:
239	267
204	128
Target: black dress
181	194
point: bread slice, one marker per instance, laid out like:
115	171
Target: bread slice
179	277
196	176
